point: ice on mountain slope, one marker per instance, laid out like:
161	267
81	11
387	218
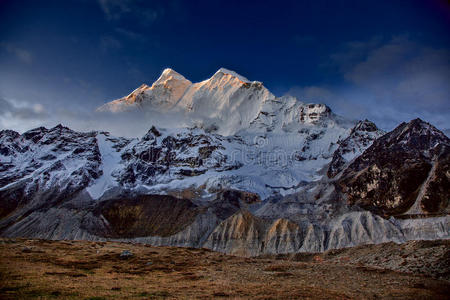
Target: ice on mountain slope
268	145
110	152
42	162
288	114
278	142
167	159
162	156
49	157
359	139
234	74
194	164
162	95
237	137
226	103
176	159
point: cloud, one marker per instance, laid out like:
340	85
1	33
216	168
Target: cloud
21	54
109	42
351	53
402	70
22	110
21	115
132	35
325	95
312	93
114	9
388	81
138	10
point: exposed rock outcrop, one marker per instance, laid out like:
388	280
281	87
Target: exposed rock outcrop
147	215
247	177
43	167
160	157
360	138
399	170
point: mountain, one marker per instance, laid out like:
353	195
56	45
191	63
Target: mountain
226	103
446	132
403	172
163	94
272	144
251	174
359	139
45	166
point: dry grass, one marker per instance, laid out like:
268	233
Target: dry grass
94	270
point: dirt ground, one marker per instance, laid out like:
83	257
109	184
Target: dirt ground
94	270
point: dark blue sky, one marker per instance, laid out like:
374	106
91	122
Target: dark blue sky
386	60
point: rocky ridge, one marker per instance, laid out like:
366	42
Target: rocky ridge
287	177
403	172
359	139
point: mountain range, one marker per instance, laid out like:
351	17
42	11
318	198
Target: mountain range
240	171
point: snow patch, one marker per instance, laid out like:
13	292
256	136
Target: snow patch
110	161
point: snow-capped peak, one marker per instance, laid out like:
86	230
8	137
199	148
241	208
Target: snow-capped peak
162	95
227	101
143	87
416	134
169	74
232	73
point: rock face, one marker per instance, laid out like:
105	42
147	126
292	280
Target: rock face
360	138
146	215
261	187
404	171
45	166
110	202
249	235
160	158
248	139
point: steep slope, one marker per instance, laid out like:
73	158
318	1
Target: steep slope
246	174
163	156
147	215
116	194
288	114
404	171
359	139
162	95
278	142
226	103
45	166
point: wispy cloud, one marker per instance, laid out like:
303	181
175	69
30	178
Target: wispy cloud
115	10
22	110
405	72
109	42
327	95
21	115
130	34
388	81
21	54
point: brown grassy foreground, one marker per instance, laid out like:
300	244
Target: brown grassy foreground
93	270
